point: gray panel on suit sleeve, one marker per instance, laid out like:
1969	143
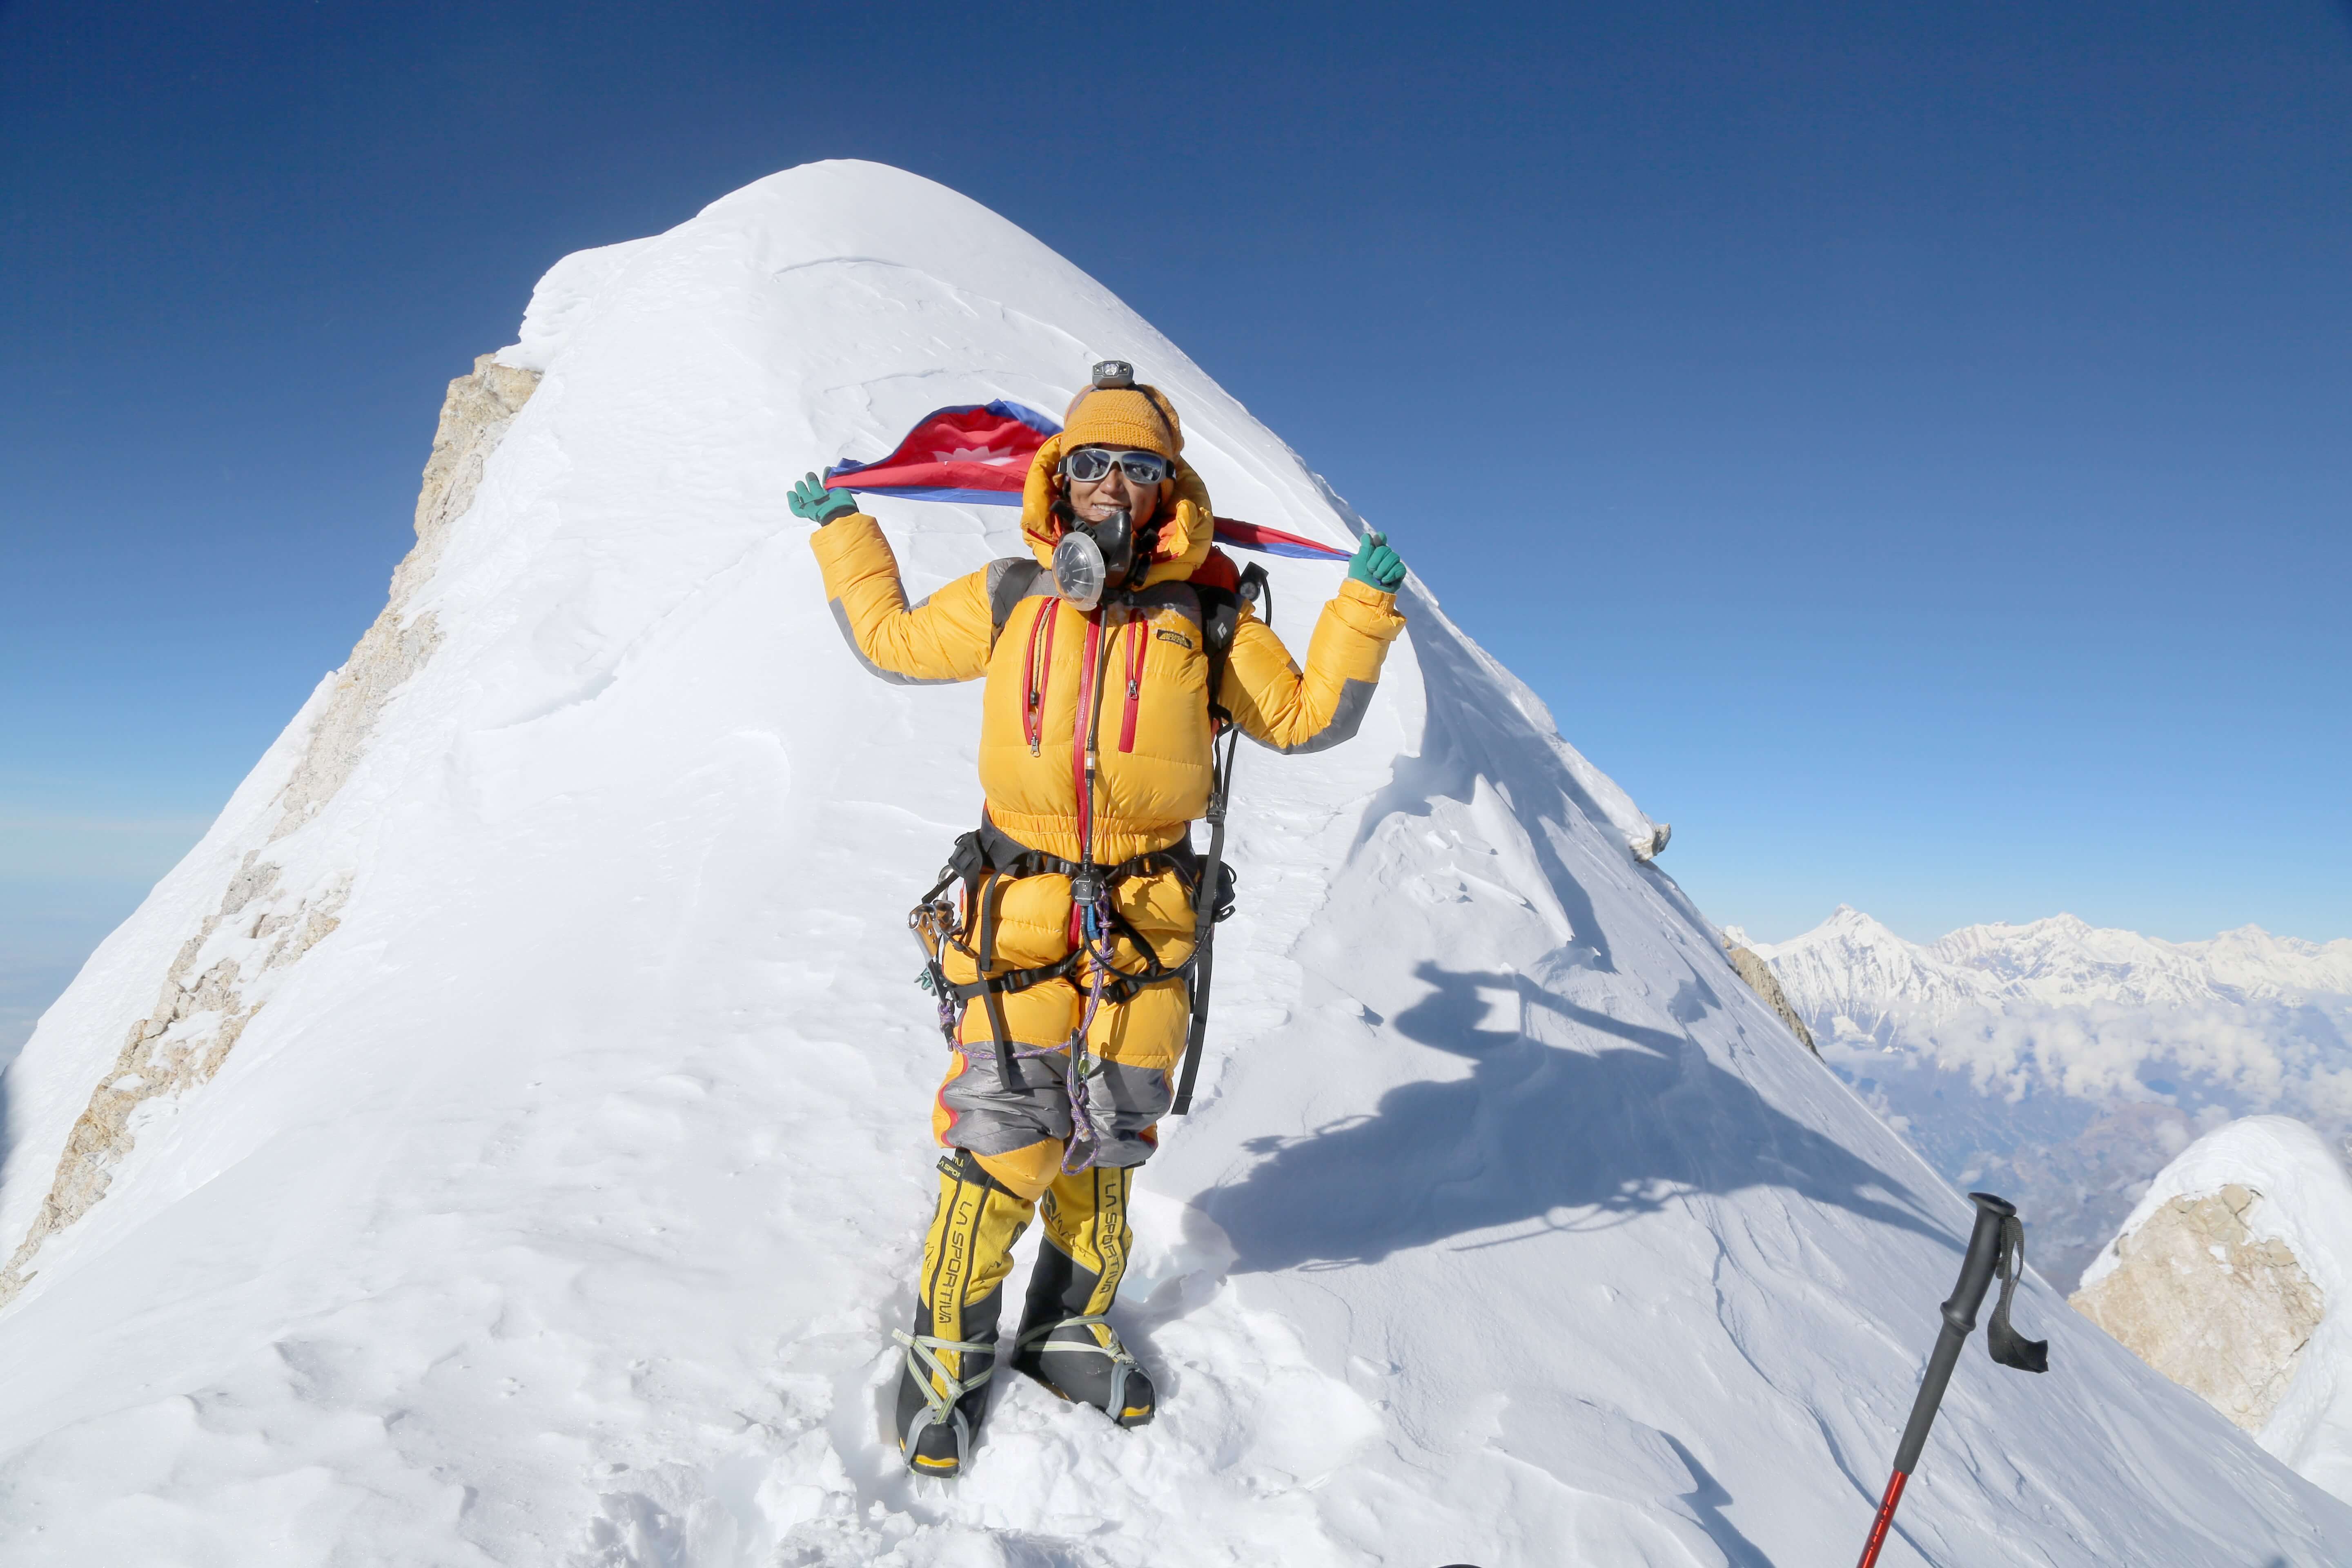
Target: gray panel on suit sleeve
841	619
1355	696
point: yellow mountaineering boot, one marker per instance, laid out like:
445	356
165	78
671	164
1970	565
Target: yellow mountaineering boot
943	1393
1064	1342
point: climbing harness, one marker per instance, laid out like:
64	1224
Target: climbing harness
986	859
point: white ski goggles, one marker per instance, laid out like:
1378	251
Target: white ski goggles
1089	464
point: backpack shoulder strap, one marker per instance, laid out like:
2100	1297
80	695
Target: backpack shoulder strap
1009	579
1221	616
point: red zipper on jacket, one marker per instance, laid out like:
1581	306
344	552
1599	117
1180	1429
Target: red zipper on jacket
1135	652
1082	735
1033	700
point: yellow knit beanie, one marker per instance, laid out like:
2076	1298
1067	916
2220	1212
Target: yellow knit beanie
1137	417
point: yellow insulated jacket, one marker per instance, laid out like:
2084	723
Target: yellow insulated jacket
1131	677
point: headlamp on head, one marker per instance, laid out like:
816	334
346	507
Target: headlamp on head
1113	375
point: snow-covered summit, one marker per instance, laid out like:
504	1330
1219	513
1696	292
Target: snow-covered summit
1858	974
503	1139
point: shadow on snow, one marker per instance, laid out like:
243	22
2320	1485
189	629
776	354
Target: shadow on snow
1570	1136
1572	1120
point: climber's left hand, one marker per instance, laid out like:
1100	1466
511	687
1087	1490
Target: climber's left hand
1376	565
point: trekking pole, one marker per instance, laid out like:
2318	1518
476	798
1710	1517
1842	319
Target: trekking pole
1996	1246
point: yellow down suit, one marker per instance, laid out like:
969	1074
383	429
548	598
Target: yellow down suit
1133	678
1129	680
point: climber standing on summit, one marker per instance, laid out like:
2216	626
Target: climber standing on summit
1113	660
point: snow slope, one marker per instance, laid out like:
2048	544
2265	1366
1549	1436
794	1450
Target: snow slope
568	1162
2304	1199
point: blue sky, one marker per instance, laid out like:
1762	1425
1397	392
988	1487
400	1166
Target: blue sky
1910	445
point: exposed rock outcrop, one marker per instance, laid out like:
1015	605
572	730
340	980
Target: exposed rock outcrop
1762	980
474	418
204	1007
215	985
2222	1312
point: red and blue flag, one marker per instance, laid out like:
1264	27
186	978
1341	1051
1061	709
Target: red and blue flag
981	451
974	452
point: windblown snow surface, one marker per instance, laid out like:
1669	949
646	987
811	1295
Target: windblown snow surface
553	1206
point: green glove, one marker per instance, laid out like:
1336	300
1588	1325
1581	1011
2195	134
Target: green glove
1376	565
811	503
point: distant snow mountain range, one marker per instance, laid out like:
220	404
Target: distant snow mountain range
1854	970
2065	1063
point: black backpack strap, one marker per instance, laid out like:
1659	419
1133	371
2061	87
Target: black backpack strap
1009	582
1220	617
1221	614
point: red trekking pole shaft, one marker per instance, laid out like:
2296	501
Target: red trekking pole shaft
1886	1517
1960	1322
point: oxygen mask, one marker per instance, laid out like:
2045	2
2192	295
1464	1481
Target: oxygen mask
1094	557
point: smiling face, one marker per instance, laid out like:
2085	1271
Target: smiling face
1094	500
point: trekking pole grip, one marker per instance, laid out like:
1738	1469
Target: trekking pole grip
1996	1229
1958	1322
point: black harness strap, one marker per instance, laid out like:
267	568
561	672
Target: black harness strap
992	905
968	864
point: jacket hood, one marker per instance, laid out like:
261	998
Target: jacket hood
1187	528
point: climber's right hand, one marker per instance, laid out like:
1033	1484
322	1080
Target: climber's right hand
811	503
